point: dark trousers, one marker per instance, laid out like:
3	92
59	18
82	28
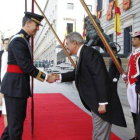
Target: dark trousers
115	84
138	124
16	114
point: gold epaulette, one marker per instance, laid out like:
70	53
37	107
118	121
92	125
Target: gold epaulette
41	76
22	35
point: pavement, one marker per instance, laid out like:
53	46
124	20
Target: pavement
68	90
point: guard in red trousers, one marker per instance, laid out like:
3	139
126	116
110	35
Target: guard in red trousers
133	76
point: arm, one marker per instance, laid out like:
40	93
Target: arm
98	71
97	68
137	87
65	77
68	77
21	53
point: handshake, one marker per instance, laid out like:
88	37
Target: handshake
53	78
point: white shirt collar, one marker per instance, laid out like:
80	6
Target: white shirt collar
136	50
79	50
5	50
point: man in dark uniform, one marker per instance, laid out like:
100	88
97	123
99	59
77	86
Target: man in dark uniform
113	71
16	82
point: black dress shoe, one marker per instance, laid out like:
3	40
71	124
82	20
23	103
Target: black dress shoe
0	113
134	138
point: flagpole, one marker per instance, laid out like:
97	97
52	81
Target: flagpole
32	86
116	19
25	5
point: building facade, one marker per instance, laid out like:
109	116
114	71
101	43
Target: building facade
62	15
130	22
69	14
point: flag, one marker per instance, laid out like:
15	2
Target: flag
117	23
84	29
66	32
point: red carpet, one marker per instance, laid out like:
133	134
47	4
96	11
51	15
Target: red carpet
57	118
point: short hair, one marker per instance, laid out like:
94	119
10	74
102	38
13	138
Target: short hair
75	36
6	39
138	37
24	20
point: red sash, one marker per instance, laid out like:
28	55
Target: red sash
14	69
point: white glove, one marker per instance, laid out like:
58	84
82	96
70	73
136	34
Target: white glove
123	76
115	80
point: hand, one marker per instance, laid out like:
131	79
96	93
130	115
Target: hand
0	101
57	76
124	77
102	109
126	84
0	98
52	78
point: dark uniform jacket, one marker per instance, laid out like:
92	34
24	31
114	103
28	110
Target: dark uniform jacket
113	71
18	84
94	86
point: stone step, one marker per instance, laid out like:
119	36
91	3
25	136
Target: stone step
122	91
124	101
127	111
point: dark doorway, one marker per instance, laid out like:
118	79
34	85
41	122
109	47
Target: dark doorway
70	27
127	41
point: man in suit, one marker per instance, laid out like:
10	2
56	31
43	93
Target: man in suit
113	71
94	87
16	82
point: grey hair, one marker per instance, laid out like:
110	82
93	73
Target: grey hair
24	20
75	36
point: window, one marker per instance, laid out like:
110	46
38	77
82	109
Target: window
69	27
89	7
110	1
127	41
99	3
70	6
111	37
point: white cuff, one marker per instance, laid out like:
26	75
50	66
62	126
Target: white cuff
46	77
115	80
103	103
123	76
